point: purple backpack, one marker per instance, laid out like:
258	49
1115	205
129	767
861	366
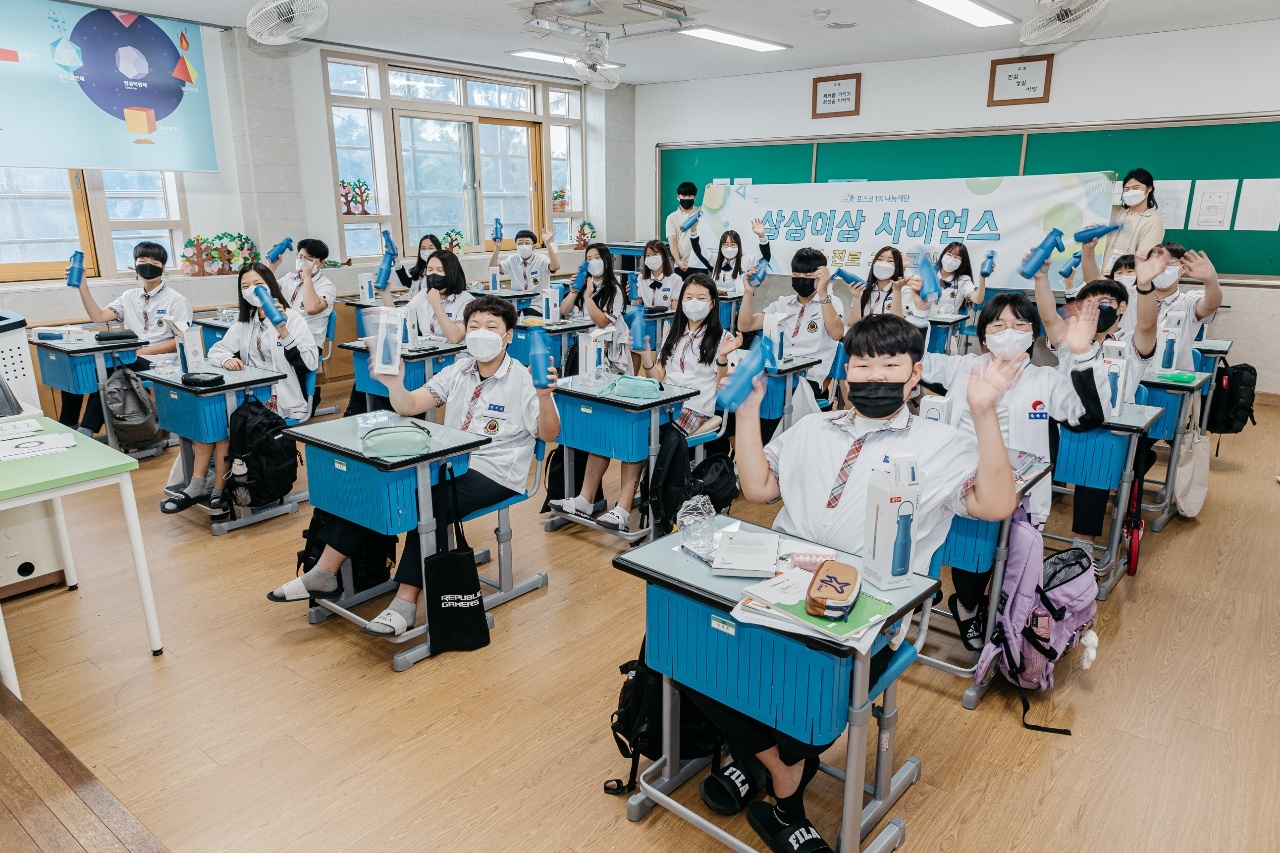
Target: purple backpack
1046	608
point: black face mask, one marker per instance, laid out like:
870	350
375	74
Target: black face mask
877	399
686	204
148	270
435	281
802	286
1107	318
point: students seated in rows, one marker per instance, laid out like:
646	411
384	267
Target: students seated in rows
143	310
603	300
485	392
693	356
527	269
1007	328
732	265
657	285
413	276
438	308
821	468
1112	301
286	348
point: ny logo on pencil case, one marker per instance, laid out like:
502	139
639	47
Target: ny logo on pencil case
837	585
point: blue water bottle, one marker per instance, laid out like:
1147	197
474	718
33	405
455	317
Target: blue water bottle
847	277
268	305
75	275
274	253
690	222
639	328
1113	378
738	385
929	277
989	264
497	230
389	255
539	358
1166	360
902	542
1069	268
1093	232
633	286
580	280
1041	253
762	269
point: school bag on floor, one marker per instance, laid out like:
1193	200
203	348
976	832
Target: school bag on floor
132	411
1046	608
264	462
717	478
671	484
1232	408
370	566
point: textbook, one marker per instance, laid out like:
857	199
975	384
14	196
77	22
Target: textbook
741	554
783	597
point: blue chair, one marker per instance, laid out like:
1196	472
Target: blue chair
838	372
309	390
326	352
714	428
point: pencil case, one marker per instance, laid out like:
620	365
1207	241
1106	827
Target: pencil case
121	335
833	591
203	380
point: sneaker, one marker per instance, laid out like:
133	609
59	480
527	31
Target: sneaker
575	505
615	519
971	629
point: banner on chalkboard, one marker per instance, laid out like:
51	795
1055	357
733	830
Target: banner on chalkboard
852	222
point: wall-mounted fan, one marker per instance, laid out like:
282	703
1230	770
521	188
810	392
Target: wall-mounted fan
591	64
1059	18
286	21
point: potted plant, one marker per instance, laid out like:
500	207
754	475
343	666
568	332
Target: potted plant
558	199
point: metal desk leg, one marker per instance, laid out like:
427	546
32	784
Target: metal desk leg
426	547
654	442
134	528
1208	398
785	424
1170	504
100	368
8	672
855	764
64	545
976	691
1113	567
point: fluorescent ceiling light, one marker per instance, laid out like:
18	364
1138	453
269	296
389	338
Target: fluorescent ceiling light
553	57
732	39
969	12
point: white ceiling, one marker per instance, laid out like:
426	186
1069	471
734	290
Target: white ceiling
481	31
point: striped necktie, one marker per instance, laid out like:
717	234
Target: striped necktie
837	490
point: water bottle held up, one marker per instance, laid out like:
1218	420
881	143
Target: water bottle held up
497	230
75	274
1093	232
1041	253
762	269
848	277
1069	268
929	277
268	305
639	328
274	253
539	358
989	264
580	280
690	222
389	255
738	386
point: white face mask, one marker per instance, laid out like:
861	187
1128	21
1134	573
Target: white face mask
696	309
300	264
950	263
653	262
483	344
882	269
251	296
1128	280
1007	345
1168	278
729	252
424	256
1133	197
596	267
524	250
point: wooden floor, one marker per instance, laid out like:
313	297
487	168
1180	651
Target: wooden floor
258	732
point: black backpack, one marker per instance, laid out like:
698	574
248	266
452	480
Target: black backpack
637	724
716	478
264	463
132	411
553	476
370	566
1233	392
671	484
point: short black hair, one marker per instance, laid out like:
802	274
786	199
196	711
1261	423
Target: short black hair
994	307
1105	287
1143	177
1175	250
883	334
807	260
525	232
455	279
152	251
1125	262
495	305
687	188
317	249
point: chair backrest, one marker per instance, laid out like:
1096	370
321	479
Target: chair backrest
309	391
330	331
539	454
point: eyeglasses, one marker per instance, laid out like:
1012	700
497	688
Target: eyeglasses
995	327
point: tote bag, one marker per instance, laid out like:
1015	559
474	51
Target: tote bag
454	601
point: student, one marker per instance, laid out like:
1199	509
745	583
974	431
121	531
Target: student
488	393
307	289
694	356
438	308
1123	270
731	268
1195	308
604	302
143	310
526	269
657	286
1007	328
412	278
681	242
877	295
820	468
286	348
1141	228
955	274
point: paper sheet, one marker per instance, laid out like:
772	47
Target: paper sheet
19	429
1259	208
39	445
1172	198
1212	205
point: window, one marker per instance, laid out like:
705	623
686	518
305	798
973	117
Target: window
505	174
437	166
43	219
564	104
141	206
348	79
564	229
415	86
353	145
566	168
498	96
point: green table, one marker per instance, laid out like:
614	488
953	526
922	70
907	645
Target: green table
89	465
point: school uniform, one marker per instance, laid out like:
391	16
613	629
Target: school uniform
684	368
424	314
658	292
619	349
531	274
880	302
916	316
414	283
804	332
727	282
1139	233
955	295
257	343
292	286
675	219
1183	301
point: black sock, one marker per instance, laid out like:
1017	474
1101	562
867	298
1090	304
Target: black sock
791	809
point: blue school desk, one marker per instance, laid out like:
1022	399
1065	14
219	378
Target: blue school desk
358	305
729	306
808	687
944	331
561	335
594	419
1208	356
88	465
780	385
1175	398
82	369
421	362
387	496
213	328
521	299
975	546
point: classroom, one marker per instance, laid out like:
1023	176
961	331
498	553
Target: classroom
441	426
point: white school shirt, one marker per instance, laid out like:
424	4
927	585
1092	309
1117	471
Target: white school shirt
505	411
533	274
955	295
684	369
421	310
619	353
807	458
1135	368
731	284
662	296
1038	395
291	286
880	300
916	316
145	315
1185	301
675	219
805	334
258	344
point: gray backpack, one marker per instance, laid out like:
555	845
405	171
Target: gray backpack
132	411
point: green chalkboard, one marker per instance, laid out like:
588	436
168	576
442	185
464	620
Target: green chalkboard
763	164
920	159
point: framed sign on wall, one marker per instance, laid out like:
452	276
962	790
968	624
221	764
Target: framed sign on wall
837	96
1020	80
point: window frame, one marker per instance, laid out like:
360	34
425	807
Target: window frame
177	226
45	270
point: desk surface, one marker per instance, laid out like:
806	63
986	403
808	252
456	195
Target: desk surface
564	327
1212	347
89	347
1133	418
233	380
1152	380
88	460
342	437
358	303
573	386
417	352
503	292
793	364
948	319
213	322
662	562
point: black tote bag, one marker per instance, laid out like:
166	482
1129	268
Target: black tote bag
454	600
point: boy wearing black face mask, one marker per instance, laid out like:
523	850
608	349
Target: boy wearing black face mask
821	469
680	241
143	310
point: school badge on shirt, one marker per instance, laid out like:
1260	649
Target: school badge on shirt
1037	412
812	327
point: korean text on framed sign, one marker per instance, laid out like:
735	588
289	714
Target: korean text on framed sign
1021	80
837	96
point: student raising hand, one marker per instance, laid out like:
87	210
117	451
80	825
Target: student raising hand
1151	266
1198	266
1082	327
986	387
757	225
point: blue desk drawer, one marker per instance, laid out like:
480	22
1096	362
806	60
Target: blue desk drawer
383	501
75	374
415	373
1095	458
521	339
607	430
775	396
970	544
1167	424
768	676
210	335
202	419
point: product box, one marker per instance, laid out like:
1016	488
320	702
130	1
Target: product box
935	408
593	353
366	286
551	304
1115	356
192	340
888	547
388	331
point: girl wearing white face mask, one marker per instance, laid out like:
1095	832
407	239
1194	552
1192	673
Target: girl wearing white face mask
1007	327
733	265
413	276
877	295
603	300
528	270
1141	228
657	284
955	274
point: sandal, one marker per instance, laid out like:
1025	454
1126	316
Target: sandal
177	503
728	789
971	629
296	590
388	623
218	503
782	837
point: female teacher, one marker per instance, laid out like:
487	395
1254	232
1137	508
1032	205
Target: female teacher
1141	228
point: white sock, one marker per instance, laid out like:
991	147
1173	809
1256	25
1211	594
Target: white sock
317	579
407	609
582	505
197	488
